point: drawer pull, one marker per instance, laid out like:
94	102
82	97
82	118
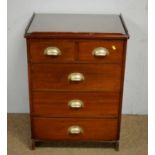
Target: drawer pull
100	52
52	51
75	130
75	104
76	77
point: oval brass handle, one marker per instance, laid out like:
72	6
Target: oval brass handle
100	52
52	51
76	77
75	104
75	130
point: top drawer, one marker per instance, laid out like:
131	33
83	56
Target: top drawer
51	50
108	51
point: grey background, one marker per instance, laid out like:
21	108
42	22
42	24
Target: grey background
135	15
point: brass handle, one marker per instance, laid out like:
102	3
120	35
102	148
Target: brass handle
52	51
76	77
100	52
74	130
75	104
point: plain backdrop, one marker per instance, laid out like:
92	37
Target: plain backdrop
135	16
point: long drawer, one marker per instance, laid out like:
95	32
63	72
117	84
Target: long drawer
75	104
74	129
76	77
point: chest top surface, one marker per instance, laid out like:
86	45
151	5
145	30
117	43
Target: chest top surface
77	23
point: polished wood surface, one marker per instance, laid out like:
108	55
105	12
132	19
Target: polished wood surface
77	23
97	77
95	104
95	27
115	56
57	128
69	51
37	47
50	90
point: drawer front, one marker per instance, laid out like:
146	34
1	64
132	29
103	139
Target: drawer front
92	77
70	104
51	50
74	129
101	51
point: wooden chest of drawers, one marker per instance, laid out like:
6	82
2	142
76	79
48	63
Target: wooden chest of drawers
76	72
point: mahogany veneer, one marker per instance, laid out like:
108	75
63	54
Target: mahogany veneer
57	129
76	69
55	104
55	77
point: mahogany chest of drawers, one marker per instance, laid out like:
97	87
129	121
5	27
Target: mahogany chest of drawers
76	69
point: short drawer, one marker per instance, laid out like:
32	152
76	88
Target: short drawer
110	51
76	77
74	129
47	50
75	104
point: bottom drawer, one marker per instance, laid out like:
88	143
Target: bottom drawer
74	129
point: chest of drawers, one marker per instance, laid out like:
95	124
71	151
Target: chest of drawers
76	69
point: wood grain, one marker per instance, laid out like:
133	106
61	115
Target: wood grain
97	77
57	128
37	47
55	104
115	56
